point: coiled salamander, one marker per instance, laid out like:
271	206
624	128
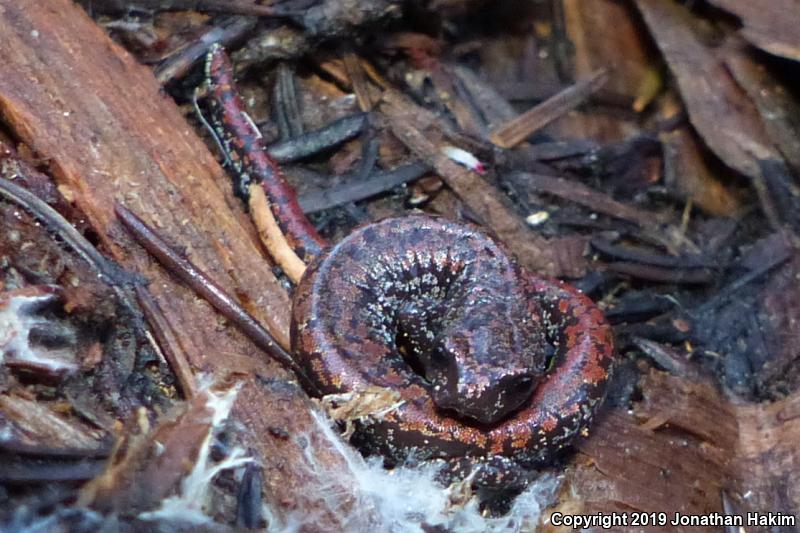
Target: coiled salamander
489	359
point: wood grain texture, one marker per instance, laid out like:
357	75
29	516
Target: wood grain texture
108	134
98	117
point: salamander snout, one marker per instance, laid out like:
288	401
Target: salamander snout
485	404
481	386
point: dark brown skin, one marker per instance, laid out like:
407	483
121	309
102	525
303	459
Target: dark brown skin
491	362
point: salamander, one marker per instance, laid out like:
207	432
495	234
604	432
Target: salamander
481	331
490	360
244	147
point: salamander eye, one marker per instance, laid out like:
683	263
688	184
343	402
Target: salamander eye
522	387
439	358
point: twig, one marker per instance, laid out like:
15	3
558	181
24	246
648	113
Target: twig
225	32
359	190
316	141
694	276
641	256
550	151
167	343
578	193
204	286
38	469
517	130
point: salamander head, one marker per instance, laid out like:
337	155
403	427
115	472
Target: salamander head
481	370
482	378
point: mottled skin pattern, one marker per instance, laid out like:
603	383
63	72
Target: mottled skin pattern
347	316
495	366
244	146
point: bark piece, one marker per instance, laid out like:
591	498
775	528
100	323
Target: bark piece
109	135
772	25
718	108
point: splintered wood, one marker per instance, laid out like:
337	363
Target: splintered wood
109	135
688	449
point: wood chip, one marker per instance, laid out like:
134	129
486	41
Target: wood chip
720	111
520	128
772	25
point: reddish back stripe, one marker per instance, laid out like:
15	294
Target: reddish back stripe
249	158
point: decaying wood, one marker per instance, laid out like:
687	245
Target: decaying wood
635	453
29	423
769	24
663	443
718	108
98	118
768	455
685	448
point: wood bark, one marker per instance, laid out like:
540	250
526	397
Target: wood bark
109	134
